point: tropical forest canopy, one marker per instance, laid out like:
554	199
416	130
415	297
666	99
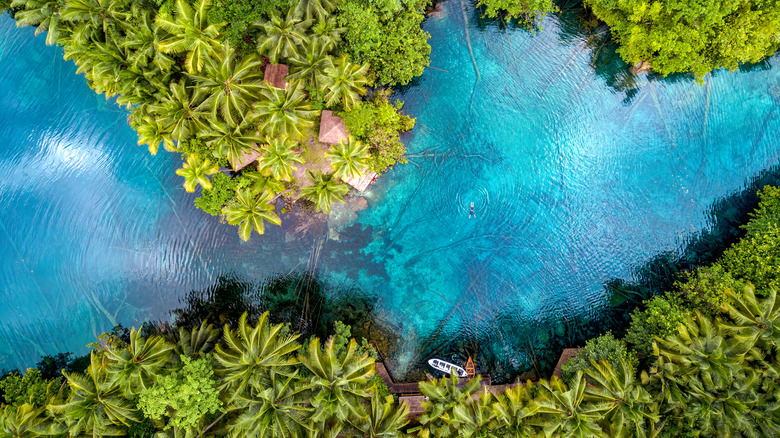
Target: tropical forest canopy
192	75
702	359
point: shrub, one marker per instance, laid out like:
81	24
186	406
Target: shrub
756	258
30	388
223	190
705	289
527	11
604	347
661	317
377	123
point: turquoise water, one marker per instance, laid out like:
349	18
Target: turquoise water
574	183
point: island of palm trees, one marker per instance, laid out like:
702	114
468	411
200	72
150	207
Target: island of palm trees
242	102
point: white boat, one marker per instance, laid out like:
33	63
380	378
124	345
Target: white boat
446	367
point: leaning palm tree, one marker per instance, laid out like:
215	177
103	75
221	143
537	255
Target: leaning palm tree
250	212
248	354
338	380
324	191
44	14
281	37
136	366
284	112
632	409
344	83
348	158
311	63
229	83
188	31
231	142
196	171
96	406
278	409
25	421
278	158
565	411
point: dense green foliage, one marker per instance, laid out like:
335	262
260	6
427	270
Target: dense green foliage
184	396
30	388
661	317
685	36
604	347
528	11
377	123
192	74
386	35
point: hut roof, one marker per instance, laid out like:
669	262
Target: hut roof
245	159
362	183
332	128
275	74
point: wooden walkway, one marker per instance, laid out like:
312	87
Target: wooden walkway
409	393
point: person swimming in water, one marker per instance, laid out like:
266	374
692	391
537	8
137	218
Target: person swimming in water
471	213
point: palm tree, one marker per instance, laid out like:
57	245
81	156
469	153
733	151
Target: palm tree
338	380
231	142
250	212
229	84
196	171
44	14
189	32
249	354
512	409
178	111
25	421
632	407
142	45
101	20
135	367
755	322
278	158
565	412
700	348
328	32
281	37
278	409
261	183
310	65
196	342
152	133
96	406
325	191
444	396
315	9
349	159
382	419
476	418
284	112
345	83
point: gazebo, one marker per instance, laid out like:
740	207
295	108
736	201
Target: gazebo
275	74
332	128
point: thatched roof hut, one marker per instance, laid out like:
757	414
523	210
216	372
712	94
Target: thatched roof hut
275	74
332	128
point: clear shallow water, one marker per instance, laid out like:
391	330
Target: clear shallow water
573	185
